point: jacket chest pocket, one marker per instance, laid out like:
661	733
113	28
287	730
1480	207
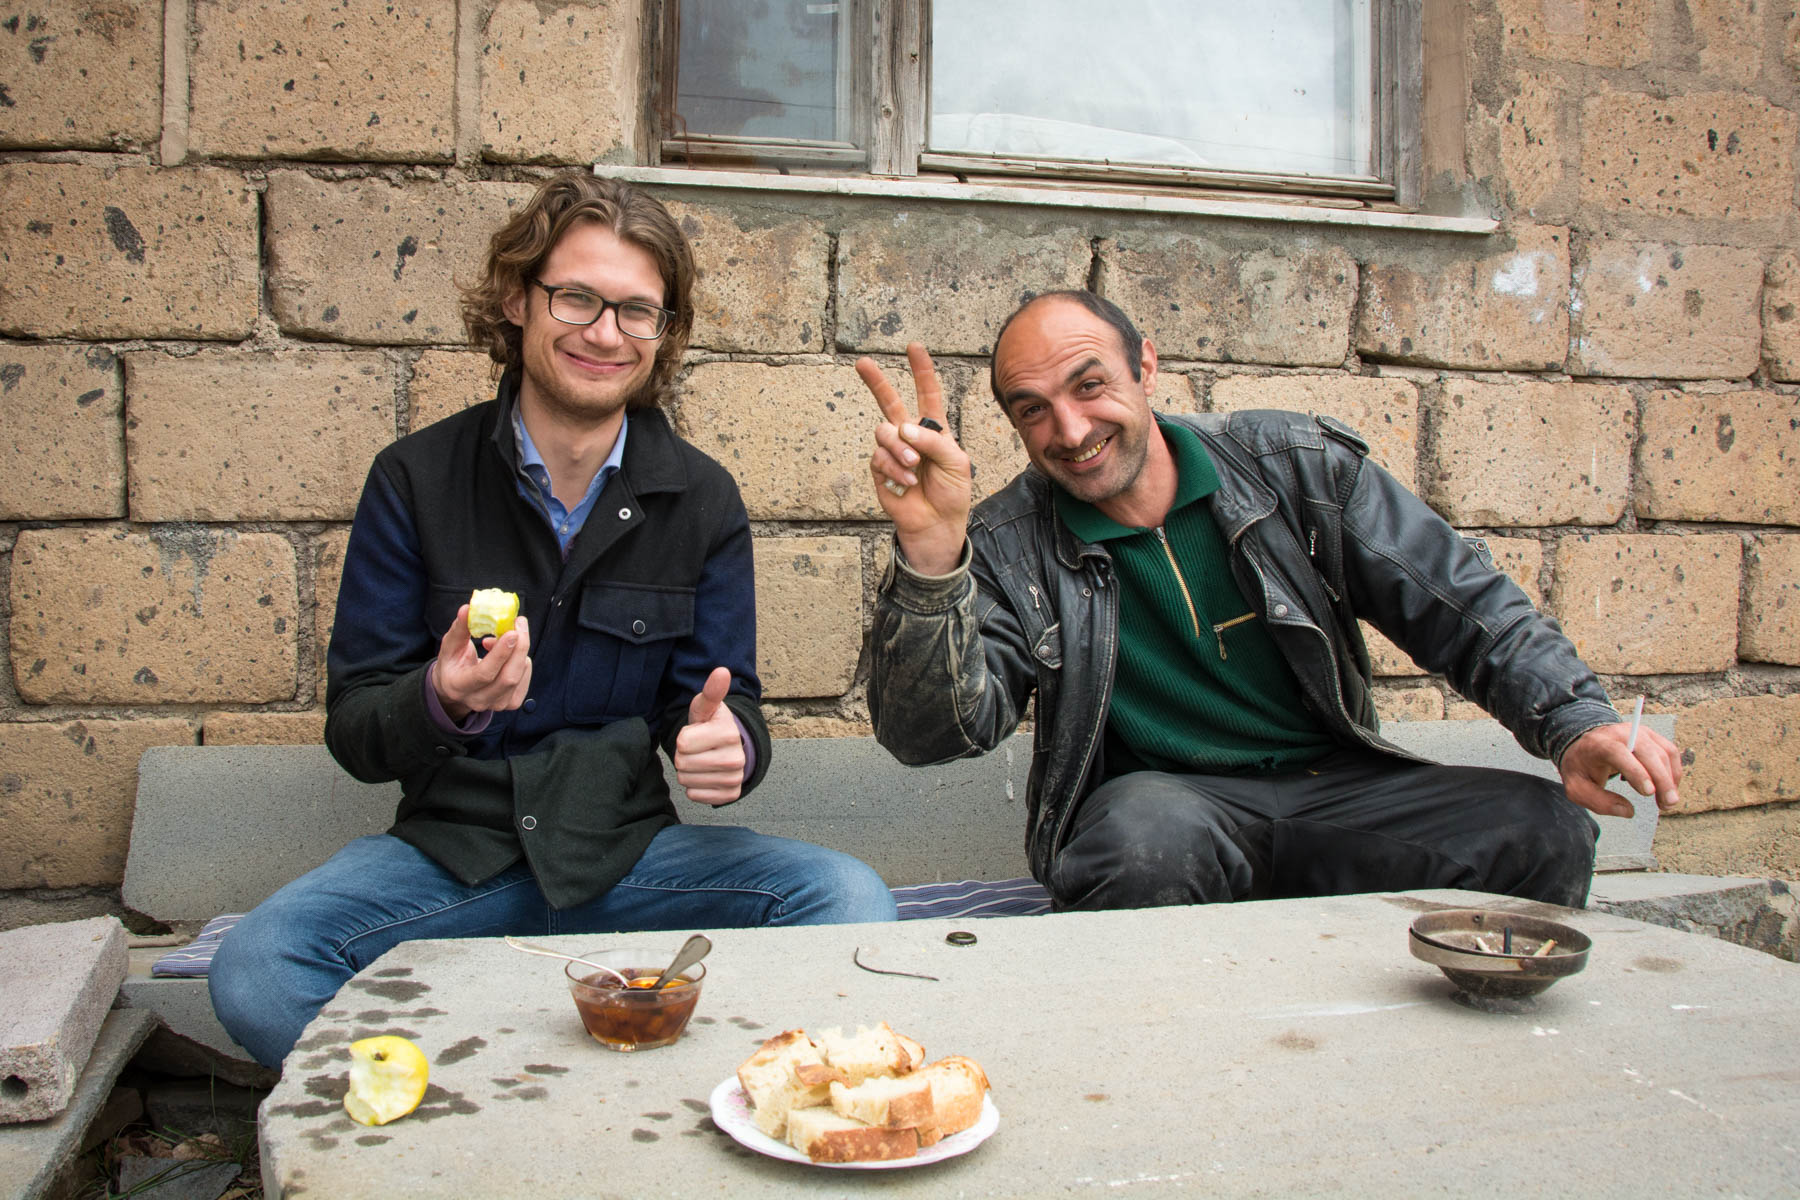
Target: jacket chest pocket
623	638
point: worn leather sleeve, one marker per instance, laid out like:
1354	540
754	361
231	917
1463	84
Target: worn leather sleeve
1419	581
950	669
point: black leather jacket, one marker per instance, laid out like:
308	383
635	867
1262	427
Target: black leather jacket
1319	536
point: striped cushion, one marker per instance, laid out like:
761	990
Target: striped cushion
964	898
193	960
972	898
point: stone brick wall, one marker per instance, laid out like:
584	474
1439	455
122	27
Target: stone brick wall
230	232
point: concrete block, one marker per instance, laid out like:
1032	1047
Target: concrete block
1762	841
358	79
87	77
1195	298
1730	37
988	438
129	252
1769	630
369	261
328	570
1505	310
1531	127
1385	412
1740	752
283	436
1781	317
562	82
962	820
1599	33
1674	311
1649	604
60	981
63	454
66	788
1710	154
33	1156
1529	453
190	809
444	382
897	282
176	615
1763	914
1408	703
264	728
808	614
1721	456
796	438
761	284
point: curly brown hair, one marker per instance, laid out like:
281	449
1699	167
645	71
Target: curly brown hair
519	248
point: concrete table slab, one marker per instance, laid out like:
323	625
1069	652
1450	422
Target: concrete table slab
31	1155
1281	1048
58	981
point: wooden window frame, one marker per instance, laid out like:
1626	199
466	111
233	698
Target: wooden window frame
890	98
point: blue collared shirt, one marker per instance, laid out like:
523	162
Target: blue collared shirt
564	522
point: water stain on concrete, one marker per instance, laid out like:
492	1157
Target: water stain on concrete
441	1102
401	991
746	1023
328	1087
368	1031
322	1039
506	1083
644	1135
1661	966
699	1106
656	1116
309	1108
394	973
704	1021
372	1139
1292	1040
467	1048
544	1069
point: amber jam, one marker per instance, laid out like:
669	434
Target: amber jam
637	1015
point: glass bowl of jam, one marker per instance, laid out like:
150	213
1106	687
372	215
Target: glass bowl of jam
622	1008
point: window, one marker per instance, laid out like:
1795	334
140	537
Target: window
1310	96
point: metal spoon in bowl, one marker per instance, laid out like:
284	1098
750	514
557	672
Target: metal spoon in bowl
528	948
691	952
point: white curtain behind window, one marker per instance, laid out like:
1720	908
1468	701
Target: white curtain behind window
1258	85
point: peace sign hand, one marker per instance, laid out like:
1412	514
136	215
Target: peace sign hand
922	477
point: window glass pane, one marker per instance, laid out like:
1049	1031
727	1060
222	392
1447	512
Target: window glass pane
760	68
1263	85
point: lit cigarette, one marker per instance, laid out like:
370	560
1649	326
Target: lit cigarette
1637	719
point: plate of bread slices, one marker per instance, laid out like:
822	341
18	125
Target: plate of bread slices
863	1101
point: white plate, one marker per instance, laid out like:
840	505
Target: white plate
731	1112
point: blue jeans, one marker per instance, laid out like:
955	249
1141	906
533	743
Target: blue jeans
288	958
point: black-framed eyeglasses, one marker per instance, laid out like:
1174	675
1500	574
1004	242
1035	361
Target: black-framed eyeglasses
577	306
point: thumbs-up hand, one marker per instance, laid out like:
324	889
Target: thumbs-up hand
709	753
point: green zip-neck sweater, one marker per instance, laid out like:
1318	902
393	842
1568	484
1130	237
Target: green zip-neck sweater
1200	687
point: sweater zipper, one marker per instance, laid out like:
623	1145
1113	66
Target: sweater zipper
1186	596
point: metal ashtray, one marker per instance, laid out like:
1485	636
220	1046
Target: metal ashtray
1470	946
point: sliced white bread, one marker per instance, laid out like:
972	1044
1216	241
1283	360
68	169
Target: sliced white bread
898	1102
787	1072
824	1136
957	1087
868	1053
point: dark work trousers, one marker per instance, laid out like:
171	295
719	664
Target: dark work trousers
1353	822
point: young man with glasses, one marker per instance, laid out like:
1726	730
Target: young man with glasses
533	801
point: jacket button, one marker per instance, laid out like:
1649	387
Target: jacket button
1281	610
638	627
528	823
531	706
624	514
